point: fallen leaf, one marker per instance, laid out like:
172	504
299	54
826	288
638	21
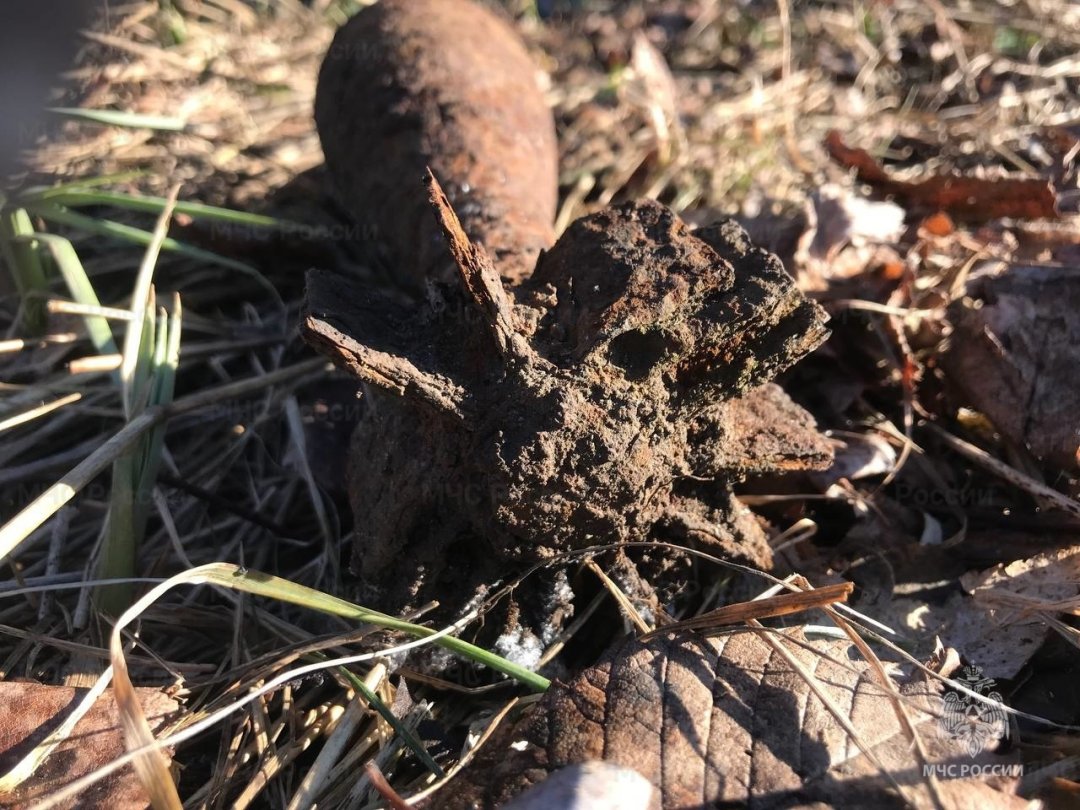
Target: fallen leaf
841	218
973	199
845	235
729	722
30	711
994	627
1013	354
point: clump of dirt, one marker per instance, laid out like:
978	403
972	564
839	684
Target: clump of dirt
615	394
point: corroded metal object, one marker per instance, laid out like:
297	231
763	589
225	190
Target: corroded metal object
615	393
409	84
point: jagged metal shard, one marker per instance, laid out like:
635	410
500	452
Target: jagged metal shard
617	394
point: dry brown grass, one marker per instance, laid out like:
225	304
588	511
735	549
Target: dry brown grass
960	84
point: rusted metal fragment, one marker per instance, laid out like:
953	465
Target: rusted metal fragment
409	84
619	399
615	392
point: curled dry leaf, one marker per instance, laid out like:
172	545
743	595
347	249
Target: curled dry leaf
728	722
998	627
30	711
1013	355
973	199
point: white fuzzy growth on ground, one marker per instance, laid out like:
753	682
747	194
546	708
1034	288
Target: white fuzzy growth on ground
520	647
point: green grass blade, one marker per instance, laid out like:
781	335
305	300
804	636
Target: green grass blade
137	386
254	582
117	559
167	379
151	447
135	472
137	350
78	284
148	350
77	196
119	548
119	118
127	233
32	193
166	362
25	265
411	740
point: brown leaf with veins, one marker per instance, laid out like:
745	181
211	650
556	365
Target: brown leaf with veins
727	722
999	623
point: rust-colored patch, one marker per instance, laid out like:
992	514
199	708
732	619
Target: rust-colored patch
968	198
938	224
409	84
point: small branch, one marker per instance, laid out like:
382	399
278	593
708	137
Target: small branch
387	371
1002	470
378	781
782	605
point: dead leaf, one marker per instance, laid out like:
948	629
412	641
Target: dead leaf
845	236
973	199
842	218
30	711
995	627
857	456
1013	354
727	722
